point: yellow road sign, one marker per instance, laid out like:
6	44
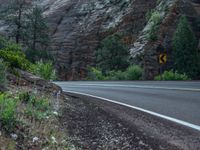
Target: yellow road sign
162	58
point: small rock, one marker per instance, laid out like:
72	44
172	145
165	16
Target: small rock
53	139
14	136
35	139
55	113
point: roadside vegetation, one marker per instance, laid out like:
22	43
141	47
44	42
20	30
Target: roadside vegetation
113	62
171	75
185	54
27	27
29	121
131	73
12	56
2	74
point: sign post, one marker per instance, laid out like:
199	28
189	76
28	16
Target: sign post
163	58
162	61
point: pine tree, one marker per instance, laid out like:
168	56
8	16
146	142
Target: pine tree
14	16
113	54
185	52
37	29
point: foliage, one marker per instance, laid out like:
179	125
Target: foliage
2	73
185	54
38	29
115	75
7	112
131	73
27	25
155	20
14	16
95	74
8	45
134	72
170	75
35	55
3	42
24	96
44	70
37	107
15	58
113	54
12	54
149	14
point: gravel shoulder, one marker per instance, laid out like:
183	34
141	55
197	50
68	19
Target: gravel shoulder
94	124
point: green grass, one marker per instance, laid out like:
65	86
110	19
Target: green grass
7	112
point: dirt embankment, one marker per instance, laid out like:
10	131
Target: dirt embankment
93	124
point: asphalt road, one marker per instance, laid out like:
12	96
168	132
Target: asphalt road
179	100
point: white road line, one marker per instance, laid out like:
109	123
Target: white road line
187	124
138	86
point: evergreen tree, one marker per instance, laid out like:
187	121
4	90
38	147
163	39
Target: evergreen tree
14	16
185	52
113	54
37	29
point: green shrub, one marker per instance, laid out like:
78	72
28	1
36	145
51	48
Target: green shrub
30	111
170	75
44	70
7	112
149	14
95	74
3	42
115	75
24	96
41	104
155	20
2	73
131	73
15	59
37	107
134	72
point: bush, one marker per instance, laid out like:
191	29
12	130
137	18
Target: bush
2	73
44	70
134	73
170	75
3	43
115	75
131	73
7	112
155	20
41	104
95	74
15	59
38	107
24	97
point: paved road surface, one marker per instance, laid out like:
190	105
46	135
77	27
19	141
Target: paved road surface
180	100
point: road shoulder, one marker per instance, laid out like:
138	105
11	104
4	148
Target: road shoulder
94	124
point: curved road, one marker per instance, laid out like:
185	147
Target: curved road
179	100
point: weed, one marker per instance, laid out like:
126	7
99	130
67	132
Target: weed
7	112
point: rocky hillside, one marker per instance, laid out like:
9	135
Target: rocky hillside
78	26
